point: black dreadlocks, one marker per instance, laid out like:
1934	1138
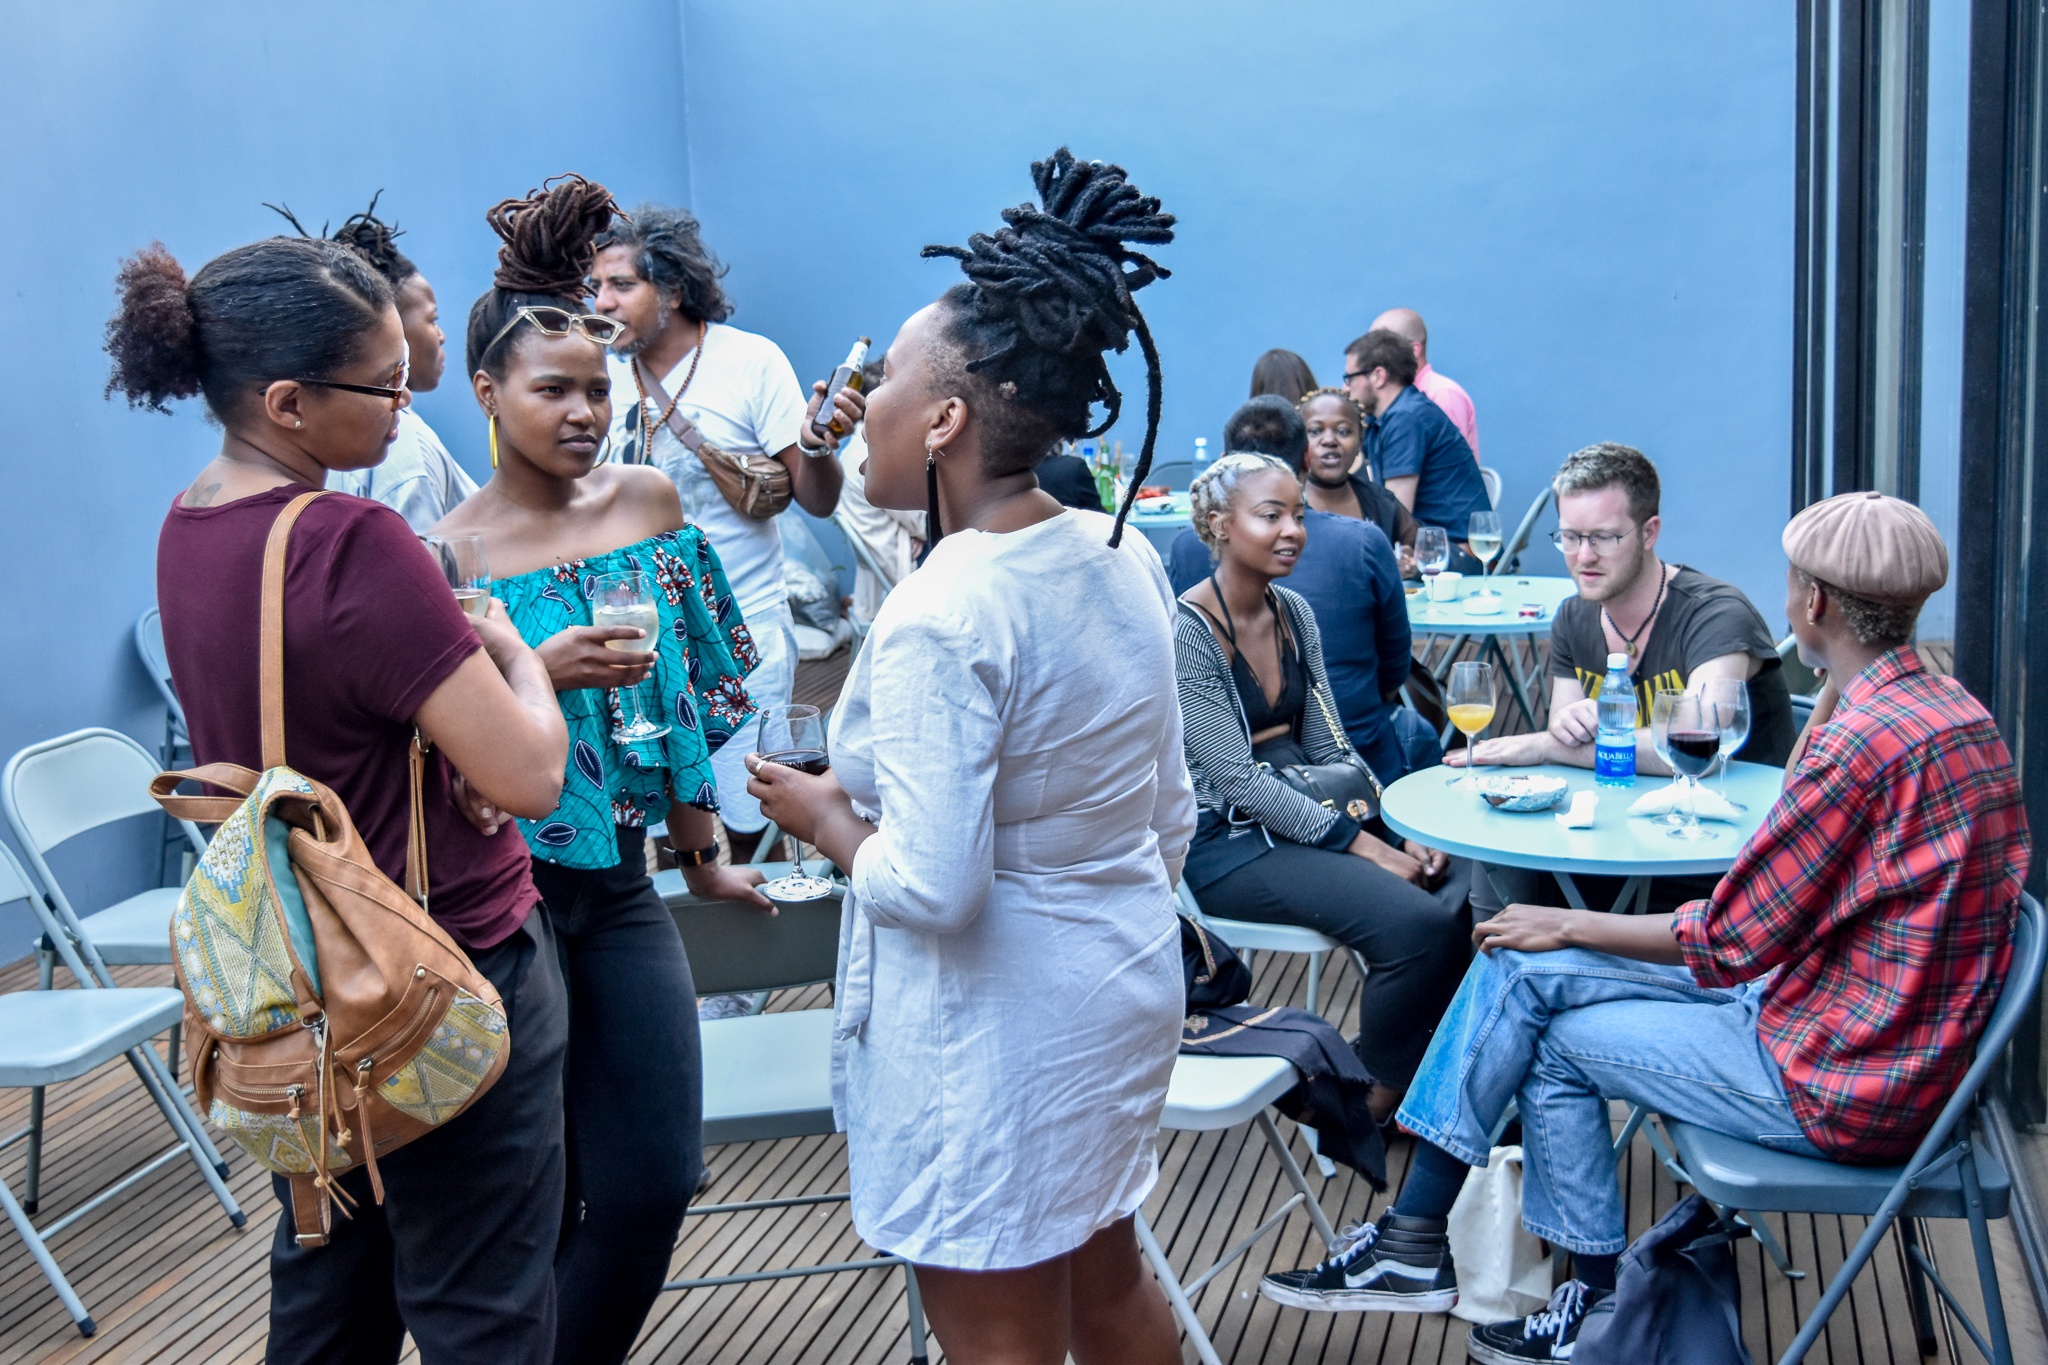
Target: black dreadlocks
370	235
549	243
1045	298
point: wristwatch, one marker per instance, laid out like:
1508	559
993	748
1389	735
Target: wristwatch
696	857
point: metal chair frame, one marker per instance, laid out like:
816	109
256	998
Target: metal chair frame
1510	561
91	974
1948	1146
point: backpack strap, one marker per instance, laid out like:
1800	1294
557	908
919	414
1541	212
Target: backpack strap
270	684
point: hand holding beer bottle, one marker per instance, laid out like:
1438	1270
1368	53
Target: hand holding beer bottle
838	403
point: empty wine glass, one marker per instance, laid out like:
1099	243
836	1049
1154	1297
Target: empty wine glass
1432	557
1469	700
1730	699
1483	538
1693	741
1660	736
627	599
794	736
465	567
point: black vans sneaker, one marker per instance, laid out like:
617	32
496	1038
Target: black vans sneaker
1547	1336
1400	1265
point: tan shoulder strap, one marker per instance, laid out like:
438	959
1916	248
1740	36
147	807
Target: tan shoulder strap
270	682
270	639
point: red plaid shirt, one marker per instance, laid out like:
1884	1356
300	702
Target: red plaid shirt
1882	888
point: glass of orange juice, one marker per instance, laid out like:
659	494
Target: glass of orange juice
1469	699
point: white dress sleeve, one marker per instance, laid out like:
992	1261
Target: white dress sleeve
935	729
1173	810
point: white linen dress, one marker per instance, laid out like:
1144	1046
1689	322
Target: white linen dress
1010	996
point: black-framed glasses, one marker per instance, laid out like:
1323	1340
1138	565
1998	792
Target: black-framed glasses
559	322
1603	542
1350	375
391	393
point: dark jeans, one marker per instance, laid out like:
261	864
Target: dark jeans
635	1099
462	1249
1415	942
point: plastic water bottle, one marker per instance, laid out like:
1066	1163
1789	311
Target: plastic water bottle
1202	460
1614	747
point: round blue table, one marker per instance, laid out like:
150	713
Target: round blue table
1424	807
1455	620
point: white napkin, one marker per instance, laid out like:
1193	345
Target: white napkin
1580	816
1708	803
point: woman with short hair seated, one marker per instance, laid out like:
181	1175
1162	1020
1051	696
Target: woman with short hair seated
1255	698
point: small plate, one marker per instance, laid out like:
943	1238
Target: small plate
1523	792
1481	606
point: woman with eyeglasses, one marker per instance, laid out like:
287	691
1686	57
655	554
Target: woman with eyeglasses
298	349
558	522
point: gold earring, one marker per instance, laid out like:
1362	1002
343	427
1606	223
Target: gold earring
494	440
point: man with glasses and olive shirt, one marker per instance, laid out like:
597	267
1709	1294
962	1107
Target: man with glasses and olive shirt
1677	626
655	275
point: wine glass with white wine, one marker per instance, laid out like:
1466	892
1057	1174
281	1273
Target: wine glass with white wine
465	567
627	599
1483	539
1469	699
794	736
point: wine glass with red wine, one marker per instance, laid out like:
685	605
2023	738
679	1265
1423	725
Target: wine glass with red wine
1692	738
794	736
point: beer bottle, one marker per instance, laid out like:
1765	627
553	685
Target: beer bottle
847	376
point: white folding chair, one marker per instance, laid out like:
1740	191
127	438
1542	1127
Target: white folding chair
48	1037
1491	478
64	787
1211	1093
769	1076
865	558
1248	936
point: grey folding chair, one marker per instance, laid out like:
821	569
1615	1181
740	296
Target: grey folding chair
48	1037
61	788
1949	1176
769	1075
149	646
1511	553
1491	478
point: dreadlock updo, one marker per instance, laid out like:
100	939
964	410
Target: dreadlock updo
376	240
550	244
1215	489
1046	297
281	308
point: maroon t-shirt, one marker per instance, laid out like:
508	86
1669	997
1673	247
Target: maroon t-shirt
370	630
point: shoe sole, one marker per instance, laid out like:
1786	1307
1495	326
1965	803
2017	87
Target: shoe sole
1487	1355
1360	1300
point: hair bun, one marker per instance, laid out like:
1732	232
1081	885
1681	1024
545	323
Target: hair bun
550	236
154	334
375	238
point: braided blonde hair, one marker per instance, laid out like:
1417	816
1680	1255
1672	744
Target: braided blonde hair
1216	489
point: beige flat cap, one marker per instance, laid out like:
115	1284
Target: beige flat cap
1871	545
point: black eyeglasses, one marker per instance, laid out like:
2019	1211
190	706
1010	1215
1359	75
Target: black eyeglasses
1349	376
374	390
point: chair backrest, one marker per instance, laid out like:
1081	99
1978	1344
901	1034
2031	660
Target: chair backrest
149	646
1491	478
862	554
1511	553
1172	473
2022	983
735	950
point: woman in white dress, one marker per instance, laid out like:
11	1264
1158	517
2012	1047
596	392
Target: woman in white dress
1009	791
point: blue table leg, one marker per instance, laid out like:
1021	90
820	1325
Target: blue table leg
1633	889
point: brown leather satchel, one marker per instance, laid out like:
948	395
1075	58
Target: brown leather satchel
332	1021
757	487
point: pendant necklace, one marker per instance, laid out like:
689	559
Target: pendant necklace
1628	642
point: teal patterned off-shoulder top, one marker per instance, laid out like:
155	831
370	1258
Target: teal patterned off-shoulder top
701	658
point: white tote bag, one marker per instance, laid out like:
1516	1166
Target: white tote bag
1503	1272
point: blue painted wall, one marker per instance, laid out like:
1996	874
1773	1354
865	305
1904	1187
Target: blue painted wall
1590	203
130	122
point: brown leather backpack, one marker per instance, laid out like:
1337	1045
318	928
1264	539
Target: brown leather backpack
331	1020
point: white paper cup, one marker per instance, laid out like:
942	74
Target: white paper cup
1445	586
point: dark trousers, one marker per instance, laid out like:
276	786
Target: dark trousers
1415	942
462	1249
635	1099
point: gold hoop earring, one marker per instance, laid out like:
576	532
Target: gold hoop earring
494	440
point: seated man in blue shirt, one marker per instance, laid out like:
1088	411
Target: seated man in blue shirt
1410	446
1346	571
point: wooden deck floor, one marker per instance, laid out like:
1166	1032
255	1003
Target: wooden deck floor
169	1280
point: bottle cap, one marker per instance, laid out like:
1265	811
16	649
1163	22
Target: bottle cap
1617	660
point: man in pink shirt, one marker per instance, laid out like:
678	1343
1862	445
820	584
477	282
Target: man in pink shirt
1442	390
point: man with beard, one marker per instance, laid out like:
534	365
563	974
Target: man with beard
655	274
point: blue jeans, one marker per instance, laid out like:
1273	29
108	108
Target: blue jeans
1563	1033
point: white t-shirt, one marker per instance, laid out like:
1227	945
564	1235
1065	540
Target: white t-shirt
745	399
419	479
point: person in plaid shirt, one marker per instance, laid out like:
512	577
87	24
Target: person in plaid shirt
1823	1001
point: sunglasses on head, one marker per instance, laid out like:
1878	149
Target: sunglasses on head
559	322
